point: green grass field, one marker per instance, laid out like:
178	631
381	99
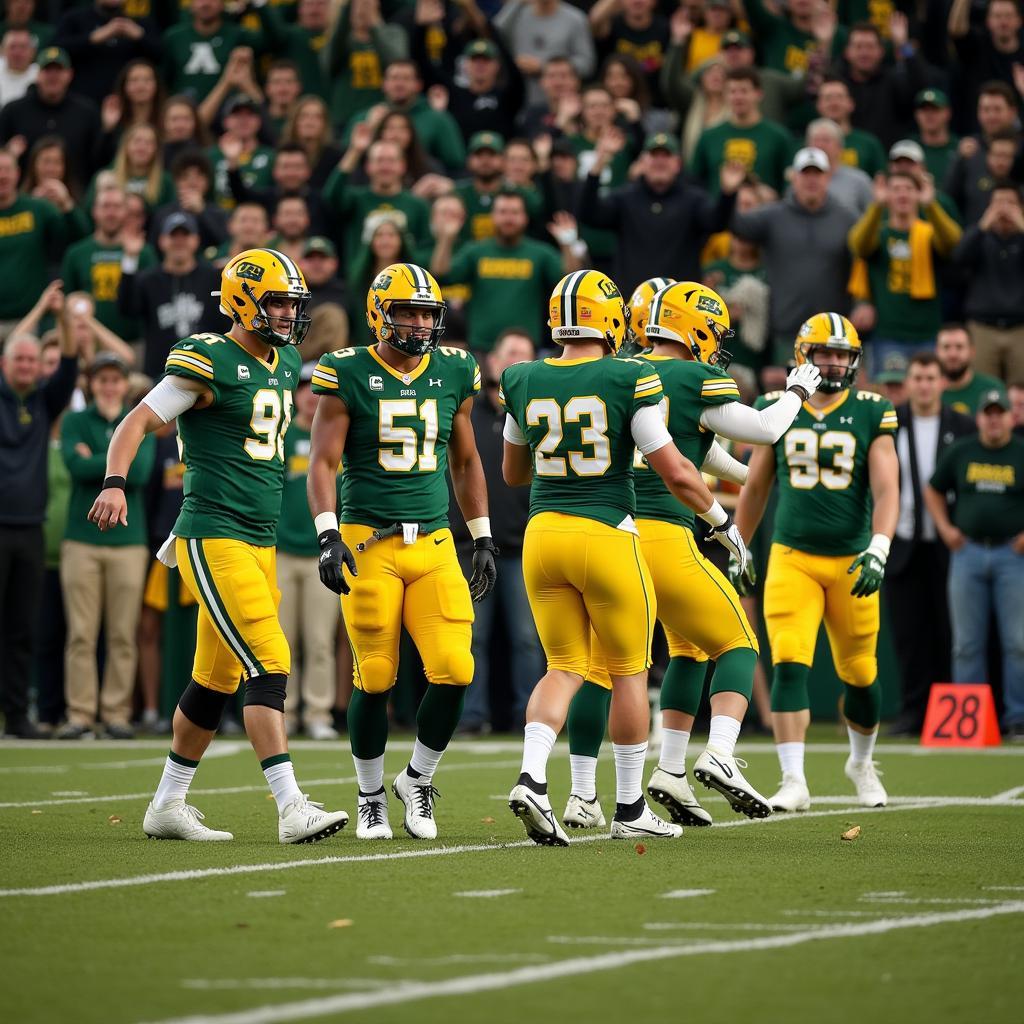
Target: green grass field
920	918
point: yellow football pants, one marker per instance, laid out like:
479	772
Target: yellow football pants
800	590
419	586
238	633
697	606
581	574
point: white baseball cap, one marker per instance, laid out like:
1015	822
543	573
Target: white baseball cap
907	149
811	156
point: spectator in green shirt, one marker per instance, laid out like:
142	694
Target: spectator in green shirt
93	265
860	149
436	129
240	145
385	169
964	385
282	89
933	114
103	575
762	147
507	273
789	35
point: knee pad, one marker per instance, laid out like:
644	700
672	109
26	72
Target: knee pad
786	648
789	687
862	705
267	691
203	706
377	673
859	671
461	667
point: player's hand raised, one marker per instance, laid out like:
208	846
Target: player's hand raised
485	572
729	536
335	556
804	379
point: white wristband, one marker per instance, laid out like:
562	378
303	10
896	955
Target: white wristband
880	545
480	527
715	516
129	264
325	521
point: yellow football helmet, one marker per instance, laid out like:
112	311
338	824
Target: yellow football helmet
405	285
587	304
253	276
697	317
640	308
830	332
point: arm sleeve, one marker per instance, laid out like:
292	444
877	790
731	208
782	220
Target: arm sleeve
865	234
741	423
947	231
721	464
512	433
57	391
648	429
753	226
168	399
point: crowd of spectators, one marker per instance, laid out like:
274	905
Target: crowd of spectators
797	155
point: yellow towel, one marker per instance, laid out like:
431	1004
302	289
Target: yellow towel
922	267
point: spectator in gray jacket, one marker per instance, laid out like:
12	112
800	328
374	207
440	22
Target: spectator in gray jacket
849	186
992	253
803	245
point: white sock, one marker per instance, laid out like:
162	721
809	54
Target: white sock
673	751
861	746
584	775
425	762
174	782
723	733
791	759
538	739
281	780
629	771
369	773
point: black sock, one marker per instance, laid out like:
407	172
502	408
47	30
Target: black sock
376	792
411	772
630	812
537	787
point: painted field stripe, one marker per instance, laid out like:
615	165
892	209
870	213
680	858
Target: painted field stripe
685	894
486	893
433	851
307	1009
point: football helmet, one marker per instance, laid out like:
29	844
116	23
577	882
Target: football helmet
640	308
829	331
253	276
588	304
695	316
405	284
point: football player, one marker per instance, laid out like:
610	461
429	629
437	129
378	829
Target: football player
399	414
684	330
572	426
232	396
838	479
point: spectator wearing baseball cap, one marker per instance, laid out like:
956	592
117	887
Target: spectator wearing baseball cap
239	149
848	185
103	574
985	534
50	108
891	380
908	157
329	298
933	115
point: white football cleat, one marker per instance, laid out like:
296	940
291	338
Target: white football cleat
674	794
864	775
179	820
306	821
373	817
534	811
792	795
722	772
419	806
647	826
580	813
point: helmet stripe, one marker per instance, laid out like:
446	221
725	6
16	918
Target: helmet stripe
290	269
418	277
838	331
567	289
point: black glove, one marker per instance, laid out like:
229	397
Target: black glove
334	555
485	572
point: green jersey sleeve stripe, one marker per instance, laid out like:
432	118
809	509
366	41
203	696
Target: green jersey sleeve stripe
191	354
195	367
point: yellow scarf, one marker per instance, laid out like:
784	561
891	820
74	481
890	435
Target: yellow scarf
922	266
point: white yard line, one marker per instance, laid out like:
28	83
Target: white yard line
1010	794
234	984
472	984
727	926
459	958
684	894
486	893
432	851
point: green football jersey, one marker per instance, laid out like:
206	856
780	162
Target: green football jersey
233	450
576	416
689	388
821	464
396	451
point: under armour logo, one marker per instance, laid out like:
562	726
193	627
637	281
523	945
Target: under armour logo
435	382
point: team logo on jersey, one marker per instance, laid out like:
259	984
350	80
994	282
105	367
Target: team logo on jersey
709	304
376	383
250	271
243	372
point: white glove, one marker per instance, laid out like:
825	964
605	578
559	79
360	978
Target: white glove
729	536
804	380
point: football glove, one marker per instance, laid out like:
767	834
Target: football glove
743	582
804	380
334	557
871	562
729	536
485	572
